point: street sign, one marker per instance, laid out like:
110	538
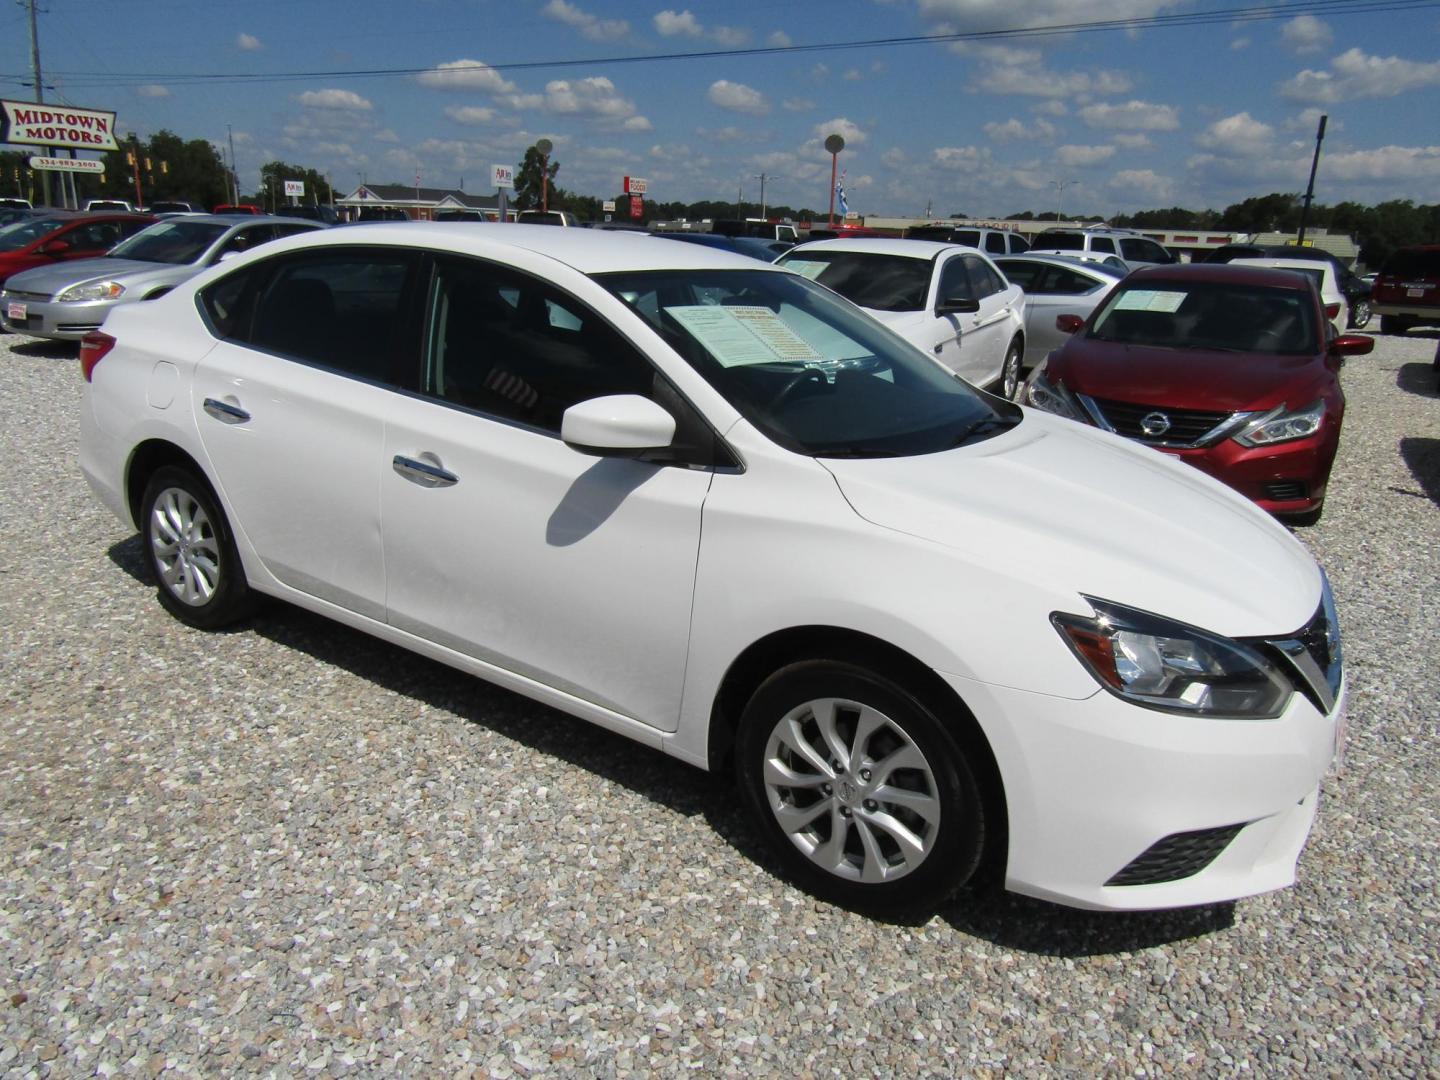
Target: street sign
608	206
65	164
634	185
502	176
25	123
294	188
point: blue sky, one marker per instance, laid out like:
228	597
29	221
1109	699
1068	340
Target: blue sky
1200	115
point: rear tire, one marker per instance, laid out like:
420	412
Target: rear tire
863	793
191	552
1011	370
1360	315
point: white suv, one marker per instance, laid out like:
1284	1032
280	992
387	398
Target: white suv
1134	249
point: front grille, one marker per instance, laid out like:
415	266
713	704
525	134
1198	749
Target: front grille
30	297
1176	857
1285	490
1186	426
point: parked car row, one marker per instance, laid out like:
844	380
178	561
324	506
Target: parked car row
933	635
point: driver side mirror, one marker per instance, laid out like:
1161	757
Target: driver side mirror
55	247
957	305
619	425
1350	345
1069	324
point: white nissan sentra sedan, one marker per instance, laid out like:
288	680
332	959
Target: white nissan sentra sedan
709	504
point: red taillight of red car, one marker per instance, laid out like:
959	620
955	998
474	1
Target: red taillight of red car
1332	311
93	347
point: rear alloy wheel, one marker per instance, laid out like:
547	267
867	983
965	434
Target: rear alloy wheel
1010	371
189	549
1360	315
863	793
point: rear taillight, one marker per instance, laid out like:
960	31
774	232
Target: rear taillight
93	347
1332	311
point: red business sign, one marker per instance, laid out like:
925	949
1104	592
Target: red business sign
634	185
637	206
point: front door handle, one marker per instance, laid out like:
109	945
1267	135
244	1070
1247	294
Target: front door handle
423	472
225	412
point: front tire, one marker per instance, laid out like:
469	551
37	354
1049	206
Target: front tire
1010	371
863	793
191	552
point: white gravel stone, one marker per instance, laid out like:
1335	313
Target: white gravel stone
291	850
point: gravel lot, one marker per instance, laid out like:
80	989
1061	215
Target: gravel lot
292	850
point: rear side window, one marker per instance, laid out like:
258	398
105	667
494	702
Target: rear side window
1144	251
995	243
1102	244
1023	274
346	310
1018	244
1062	281
968	237
1063	241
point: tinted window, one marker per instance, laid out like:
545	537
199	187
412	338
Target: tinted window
24	233
983	280
1102	244
1020	273
94	236
1142	250
882	282
245	239
174	242
1209	315
1018	244
1065	241
968	237
955	282
995	242
1063	281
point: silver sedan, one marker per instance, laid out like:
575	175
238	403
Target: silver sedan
69	299
1055	285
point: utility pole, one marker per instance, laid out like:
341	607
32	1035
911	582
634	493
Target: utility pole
234	176
1060	186
762	178
740	202
39	90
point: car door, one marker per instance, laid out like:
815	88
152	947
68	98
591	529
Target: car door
946	333
986	335
90	239
1057	290
291	406
504	543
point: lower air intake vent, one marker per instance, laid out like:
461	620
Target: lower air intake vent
1285	490
1176	857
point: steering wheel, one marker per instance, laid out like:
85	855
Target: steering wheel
792	384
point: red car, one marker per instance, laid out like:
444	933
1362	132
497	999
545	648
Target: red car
1232	369
62	235
1407	289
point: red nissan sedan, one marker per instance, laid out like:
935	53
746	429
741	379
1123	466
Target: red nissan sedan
1232	369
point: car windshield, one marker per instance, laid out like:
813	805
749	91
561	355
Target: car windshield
1214	316
177	242
23	233
1062	241
867	278
806	368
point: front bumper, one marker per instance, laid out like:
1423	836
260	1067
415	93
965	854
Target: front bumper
1093	785
1286	478
51	319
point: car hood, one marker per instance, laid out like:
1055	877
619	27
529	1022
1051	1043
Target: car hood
1078	511
1185	378
59	276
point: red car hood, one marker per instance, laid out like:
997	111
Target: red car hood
1186	378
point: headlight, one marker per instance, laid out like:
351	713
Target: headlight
99	290
1052	397
1170	666
1282	425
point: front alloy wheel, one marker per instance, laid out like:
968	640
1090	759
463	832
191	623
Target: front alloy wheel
1010	373
864	793
1360	315
191	551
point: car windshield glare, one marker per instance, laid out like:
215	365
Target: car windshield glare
176	242
24	233
1215	316
807	369
872	280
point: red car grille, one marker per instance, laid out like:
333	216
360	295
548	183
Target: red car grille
1182	427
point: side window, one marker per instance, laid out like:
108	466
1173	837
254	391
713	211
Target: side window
1102	244
983	281
1063	281
967	237
343	309
955	282
1018	244
230	305
97	235
245	239
282	231
1024	274
519	349
995	243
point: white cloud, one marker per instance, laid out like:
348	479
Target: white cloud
637	123
471	114
960	15
798	104
1146	183
847	130
466	75
672	23
248	42
730	36
1082	156
1239	43
152	90
334	99
1355	74
1306	34
965	159
1040	82
1386	163
895	158
595	96
727	134
1308	120
1132	116
385	135
1052	107
1240	135
778	39
738	97
592	26
853	75
1013	130
1131	142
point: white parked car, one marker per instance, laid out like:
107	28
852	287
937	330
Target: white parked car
946	300
1056	285
708	504
1322	273
1129	248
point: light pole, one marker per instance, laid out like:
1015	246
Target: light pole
1060	186
762	178
544	146
834	144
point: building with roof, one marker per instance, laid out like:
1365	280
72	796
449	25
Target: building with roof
390	201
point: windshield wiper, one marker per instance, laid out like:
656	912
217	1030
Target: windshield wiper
985	423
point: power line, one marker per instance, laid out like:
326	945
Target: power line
1286	9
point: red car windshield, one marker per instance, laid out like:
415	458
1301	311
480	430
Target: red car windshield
1214	316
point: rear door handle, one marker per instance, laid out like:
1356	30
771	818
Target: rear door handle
225	412
423	472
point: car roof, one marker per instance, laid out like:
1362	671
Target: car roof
1290	263
1093	266
1218	272
588	251
914	249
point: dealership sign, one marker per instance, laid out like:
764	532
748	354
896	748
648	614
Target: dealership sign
294	188
23	123
65	164
634	185
502	176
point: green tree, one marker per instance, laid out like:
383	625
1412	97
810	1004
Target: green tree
273	175
1275	212
528	182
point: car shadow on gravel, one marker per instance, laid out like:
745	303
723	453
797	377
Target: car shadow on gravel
1012	921
1422	457
1418	378
45	347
